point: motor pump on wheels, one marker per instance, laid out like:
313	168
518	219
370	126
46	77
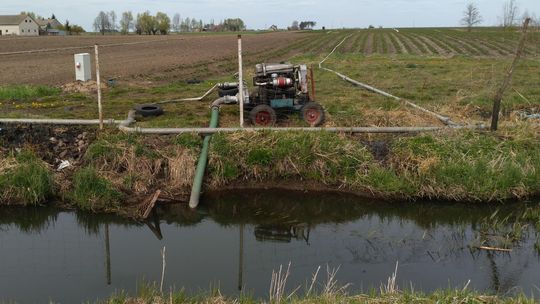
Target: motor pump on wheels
281	89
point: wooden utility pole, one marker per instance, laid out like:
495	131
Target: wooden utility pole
508	78
98	80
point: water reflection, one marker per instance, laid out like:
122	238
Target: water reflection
237	239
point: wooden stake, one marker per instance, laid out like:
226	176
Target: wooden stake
506	82
98	79
150	204
240	81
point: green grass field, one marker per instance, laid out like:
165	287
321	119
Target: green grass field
447	70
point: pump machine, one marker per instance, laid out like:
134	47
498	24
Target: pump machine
280	89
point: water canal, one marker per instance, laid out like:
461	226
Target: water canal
236	240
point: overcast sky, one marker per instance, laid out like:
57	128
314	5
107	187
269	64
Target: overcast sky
259	14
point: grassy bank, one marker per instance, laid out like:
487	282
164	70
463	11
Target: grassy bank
24	179
330	294
118	169
452	165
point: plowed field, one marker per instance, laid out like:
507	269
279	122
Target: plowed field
161	57
49	60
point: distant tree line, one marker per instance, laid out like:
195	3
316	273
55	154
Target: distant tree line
146	23
71	29
304	25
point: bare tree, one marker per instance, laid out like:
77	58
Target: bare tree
126	23
471	16
307	25
102	23
295	26
527	15
510	13
112	21
176	22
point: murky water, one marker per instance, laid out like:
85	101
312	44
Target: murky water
236	240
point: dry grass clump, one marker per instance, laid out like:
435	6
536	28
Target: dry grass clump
140	165
402	116
327	158
181	168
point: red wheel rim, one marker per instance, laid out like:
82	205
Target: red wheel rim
263	118
312	116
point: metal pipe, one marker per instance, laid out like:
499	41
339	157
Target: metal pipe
58	121
191	99
224	100
351	130
203	159
129	120
446	120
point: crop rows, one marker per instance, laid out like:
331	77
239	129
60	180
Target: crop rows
424	42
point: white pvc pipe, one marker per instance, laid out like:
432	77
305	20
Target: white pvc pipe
240	81
332	52
190	99
58	121
446	120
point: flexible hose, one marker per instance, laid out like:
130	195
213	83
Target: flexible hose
201	164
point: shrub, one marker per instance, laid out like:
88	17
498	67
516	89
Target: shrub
92	192
26	181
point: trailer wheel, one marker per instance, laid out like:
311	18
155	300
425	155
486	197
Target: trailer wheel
147	110
263	116
313	114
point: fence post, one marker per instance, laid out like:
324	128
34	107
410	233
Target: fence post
98	80
240	81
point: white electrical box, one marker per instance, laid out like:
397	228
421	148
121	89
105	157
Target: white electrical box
83	68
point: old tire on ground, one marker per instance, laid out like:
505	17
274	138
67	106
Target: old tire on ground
313	114
227	92
147	110
263	116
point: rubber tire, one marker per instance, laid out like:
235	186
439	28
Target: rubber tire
227	92
147	110
256	119
308	109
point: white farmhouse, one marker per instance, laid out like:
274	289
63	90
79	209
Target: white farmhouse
21	25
